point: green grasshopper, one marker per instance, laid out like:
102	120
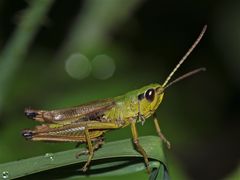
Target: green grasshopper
87	123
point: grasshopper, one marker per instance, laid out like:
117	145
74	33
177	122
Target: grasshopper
87	123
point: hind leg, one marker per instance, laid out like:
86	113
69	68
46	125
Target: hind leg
98	143
90	150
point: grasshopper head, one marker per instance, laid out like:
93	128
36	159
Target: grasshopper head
149	99
151	96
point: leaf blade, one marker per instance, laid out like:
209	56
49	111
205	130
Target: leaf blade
104	158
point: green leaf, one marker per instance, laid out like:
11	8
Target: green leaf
113	159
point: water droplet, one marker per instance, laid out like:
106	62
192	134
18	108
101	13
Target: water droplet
5	175
49	156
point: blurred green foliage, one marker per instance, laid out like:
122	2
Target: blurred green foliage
145	39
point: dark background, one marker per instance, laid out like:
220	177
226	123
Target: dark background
200	115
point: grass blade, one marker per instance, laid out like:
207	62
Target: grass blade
115	158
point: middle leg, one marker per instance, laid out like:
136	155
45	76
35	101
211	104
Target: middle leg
139	148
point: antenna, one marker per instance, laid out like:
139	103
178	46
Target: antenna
185	56
195	71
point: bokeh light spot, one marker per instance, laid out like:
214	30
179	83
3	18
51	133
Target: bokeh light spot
103	67
78	66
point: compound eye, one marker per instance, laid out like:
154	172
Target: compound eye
150	94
